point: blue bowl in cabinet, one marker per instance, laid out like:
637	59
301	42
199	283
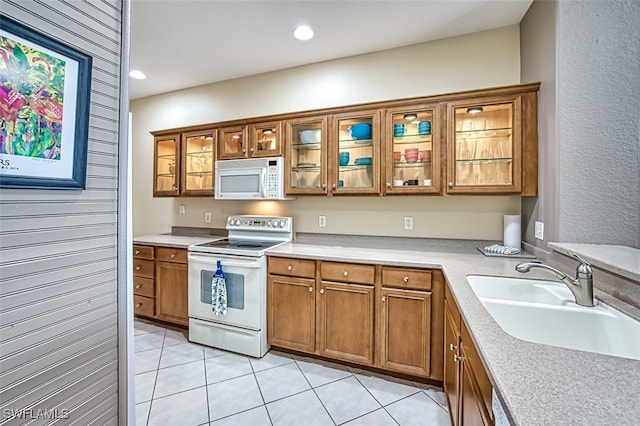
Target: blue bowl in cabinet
360	131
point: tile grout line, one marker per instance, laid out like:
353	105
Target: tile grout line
264	402
314	391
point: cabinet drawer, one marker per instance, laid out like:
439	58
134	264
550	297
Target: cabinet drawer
143	252
416	279
292	267
143	286
143	306
348	272
143	268
167	254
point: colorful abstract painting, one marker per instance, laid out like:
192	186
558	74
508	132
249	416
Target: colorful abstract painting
31	100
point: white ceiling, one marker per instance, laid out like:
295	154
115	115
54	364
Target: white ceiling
187	43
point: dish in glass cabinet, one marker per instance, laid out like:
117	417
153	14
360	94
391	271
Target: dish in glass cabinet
363	161
305	165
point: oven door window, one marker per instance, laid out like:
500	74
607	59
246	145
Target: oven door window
235	288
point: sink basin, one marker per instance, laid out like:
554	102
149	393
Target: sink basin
545	312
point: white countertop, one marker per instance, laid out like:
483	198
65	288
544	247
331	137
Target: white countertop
537	384
177	241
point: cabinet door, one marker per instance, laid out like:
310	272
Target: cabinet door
451	366
345	321
485	145
306	153
172	301
232	142
291	318
405	343
472	411
412	155
166	165
198	158
265	139
354	154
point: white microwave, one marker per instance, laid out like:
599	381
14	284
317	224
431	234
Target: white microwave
250	179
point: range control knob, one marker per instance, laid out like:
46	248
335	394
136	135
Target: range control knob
268	223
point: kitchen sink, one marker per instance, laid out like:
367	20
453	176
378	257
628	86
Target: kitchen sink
541	311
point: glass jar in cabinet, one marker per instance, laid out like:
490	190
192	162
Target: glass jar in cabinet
265	139
198	159
484	146
232	142
306	156
412	150
166	165
353	160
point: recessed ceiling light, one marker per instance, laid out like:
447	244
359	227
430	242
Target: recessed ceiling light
138	75
303	33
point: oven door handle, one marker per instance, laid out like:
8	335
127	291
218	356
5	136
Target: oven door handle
212	260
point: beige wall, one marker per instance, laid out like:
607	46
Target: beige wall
485	59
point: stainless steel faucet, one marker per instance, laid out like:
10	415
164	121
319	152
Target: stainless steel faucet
581	287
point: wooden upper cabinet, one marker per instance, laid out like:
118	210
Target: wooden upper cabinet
198	159
354	153
166	165
265	139
492	144
306	155
232	142
412	150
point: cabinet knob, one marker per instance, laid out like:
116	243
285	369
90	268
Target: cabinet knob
138	305
456	358
384	298
450	184
244	151
173	187
173	255
333	186
289	268
138	286
137	251
405	279
138	268
322	291
388	185
453	347
324	186
345	273
252	149
310	289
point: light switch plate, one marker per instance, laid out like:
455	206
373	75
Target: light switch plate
322	221
207	217
408	222
182	209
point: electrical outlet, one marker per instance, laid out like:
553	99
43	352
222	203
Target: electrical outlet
408	222
539	230
322	221
207	217
182	209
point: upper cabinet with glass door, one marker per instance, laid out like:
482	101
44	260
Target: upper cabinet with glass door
166	165
354	153
265	139
412	163
198	158
306	156
255	140
487	141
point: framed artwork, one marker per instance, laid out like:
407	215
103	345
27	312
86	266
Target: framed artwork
44	99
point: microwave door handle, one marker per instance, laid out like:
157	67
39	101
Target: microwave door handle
263	188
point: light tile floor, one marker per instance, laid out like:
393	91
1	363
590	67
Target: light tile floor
183	383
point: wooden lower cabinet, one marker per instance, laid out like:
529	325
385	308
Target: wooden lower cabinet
291	318
172	293
160	283
466	383
342	311
405	331
345	321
